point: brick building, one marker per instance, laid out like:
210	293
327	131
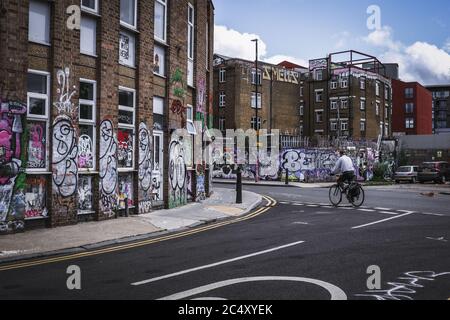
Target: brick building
412	109
88	107
347	97
235	98
441	108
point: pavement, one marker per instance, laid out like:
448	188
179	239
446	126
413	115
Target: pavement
91	235
277	183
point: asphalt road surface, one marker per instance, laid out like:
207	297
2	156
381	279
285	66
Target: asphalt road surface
297	247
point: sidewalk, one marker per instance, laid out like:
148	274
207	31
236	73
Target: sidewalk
91	235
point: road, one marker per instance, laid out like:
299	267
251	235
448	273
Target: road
298	247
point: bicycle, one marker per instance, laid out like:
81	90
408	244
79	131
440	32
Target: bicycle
353	191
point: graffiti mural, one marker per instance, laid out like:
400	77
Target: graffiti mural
125	148
177	173
36	197
125	191
108	169
85	152
85	194
37	152
65	152
12	159
145	169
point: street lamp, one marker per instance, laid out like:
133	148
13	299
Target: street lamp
257	105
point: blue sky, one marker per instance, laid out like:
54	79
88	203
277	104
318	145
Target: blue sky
413	32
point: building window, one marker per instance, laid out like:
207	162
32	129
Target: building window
302	110
409	108
190	120
87	115
334	85
334	126
127	49
344	103
222	99
88	36
334	104
362	83
191	32
319	95
159	61
256	103
85	194
386	112
344	82
319	116
128	13
386	93
363	105
222	75
377	88
301	131
222	123
256	123
301	91
318	75
126	196
38	98
377	109
409	123
126	128
344	125
161	20
362	126
409	93
90	5
256	78
39	22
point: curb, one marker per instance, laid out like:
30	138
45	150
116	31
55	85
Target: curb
125	240
255	184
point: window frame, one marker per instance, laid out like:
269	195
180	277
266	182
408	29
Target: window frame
47	31
316	95
131	36
87	9
362	105
92	122
256	76
95	36
410	123
344	80
222	99
333	104
222	75
257	99
165	5
38	118
363	125
126	24
190	121
317	112
163	74
222	123
256	121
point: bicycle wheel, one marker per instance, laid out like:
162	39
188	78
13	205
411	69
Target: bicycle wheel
335	195
359	196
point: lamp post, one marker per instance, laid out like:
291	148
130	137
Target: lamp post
256	112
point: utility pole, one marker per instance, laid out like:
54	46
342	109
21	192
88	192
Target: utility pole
256	112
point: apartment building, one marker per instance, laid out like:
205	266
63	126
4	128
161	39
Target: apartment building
91	91
441	108
412	109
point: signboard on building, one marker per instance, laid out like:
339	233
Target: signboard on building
281	75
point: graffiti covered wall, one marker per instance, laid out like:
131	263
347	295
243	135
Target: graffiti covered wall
12	161
177	173
145	169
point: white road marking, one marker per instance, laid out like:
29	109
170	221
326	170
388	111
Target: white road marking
383	209
384	220
442	239
298	204
406	211
346	208
302	223
434	214
366	210
216	264
335	292
390	212
312	206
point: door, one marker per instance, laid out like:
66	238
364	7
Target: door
158	168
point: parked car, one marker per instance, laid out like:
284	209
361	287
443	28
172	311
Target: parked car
406	173
438	172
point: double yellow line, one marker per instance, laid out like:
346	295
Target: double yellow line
271	203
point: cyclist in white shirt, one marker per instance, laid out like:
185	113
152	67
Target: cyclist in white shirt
344	166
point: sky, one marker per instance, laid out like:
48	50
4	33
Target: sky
415	33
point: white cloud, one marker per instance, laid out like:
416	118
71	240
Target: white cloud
421	61
235	44
447	45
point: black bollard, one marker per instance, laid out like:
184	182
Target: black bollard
287	177
239	186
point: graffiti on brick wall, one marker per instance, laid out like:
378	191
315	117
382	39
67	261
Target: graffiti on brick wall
37	134
177	173
65	148
125	148
108	169
201	191
85	152
201	96
125	191
85	194
145	168
35	197
12	158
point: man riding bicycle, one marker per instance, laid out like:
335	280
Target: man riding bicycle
345	167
